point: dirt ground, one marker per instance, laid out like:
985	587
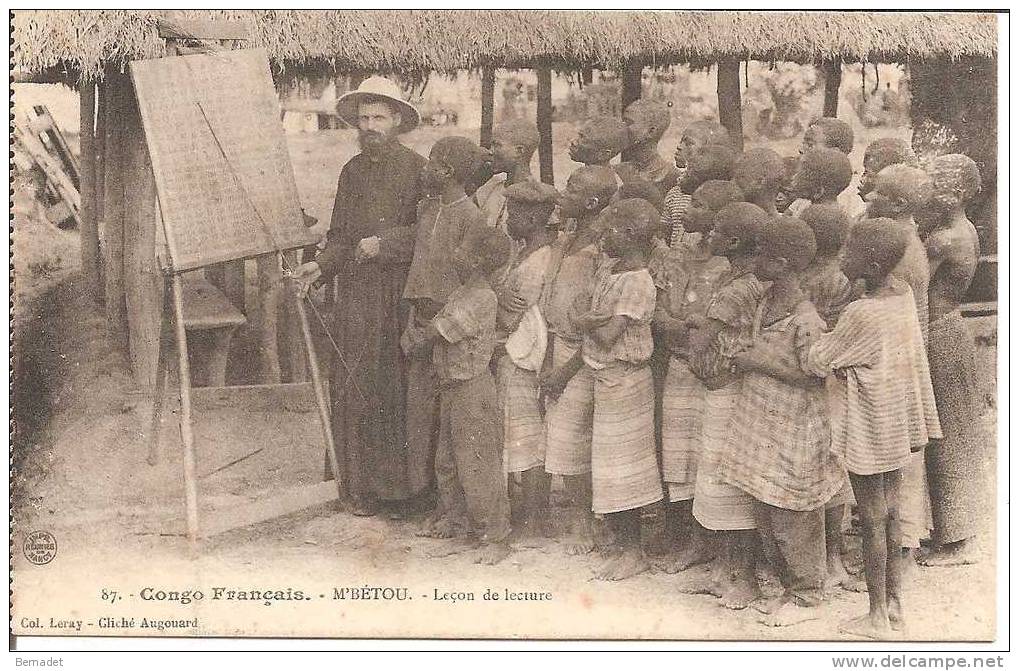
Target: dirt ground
81	475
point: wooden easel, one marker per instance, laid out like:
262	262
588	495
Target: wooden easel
244	206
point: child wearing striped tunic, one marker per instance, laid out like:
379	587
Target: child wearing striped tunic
616	348
885	410
685	285
521	330
714	340
779	438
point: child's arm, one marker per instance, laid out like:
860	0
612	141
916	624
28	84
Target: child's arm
851	343
758	359
609	331
553	382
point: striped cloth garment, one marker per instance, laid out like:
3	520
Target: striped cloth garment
569	419
523	424
888	404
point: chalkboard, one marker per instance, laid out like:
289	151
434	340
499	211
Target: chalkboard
223	176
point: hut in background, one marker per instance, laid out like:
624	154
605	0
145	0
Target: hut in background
947	53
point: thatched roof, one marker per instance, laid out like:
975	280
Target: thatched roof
75	44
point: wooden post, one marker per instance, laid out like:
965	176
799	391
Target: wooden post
630	91
186	435
143	279
545	125
832	70
487	105
730	108
269	277
89	230
291	341
100	180
117	91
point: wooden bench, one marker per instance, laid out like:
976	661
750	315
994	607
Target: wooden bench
207	310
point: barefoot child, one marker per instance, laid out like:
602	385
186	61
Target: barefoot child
575	259
626	484
779	439
830	292
685	285
647	121
900	191
955	464
886	409
714	340
522	332
461	337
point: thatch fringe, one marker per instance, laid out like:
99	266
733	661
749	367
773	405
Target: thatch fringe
77	45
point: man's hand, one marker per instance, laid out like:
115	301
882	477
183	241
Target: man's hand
305	275
368	248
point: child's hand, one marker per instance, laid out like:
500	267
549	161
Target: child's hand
552	383
510	298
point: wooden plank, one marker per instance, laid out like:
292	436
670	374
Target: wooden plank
268	508
730	108
832	71
981	309
297	397
201	29
544	121
118	92
219	155
89	229
205	306
487	105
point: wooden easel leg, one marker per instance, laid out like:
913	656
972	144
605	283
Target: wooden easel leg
162	374
320	396
184	377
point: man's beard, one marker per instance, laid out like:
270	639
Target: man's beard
371	141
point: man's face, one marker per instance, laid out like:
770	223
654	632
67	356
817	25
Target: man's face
376	124
812	139
504	154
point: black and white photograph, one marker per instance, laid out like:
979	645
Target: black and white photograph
507	324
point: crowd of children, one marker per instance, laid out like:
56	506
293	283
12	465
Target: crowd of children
713	357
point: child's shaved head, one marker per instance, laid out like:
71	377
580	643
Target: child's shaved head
880	154
628	223
588	190
830	225
638	187
599	139
523	134
460	155
874	248
708	199
537	199
759	171
648	120
698	135
822	174
899	190
712	162
736	229
829	132
785	237
955	178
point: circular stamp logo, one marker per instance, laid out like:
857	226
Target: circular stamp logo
40	547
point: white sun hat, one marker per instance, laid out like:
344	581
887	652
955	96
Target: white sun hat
377	87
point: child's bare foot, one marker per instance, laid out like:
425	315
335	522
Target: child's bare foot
491	554
787	614
631	562
579	544
694	554
837	573
854	584
441	528
867	626
741	594
707	584
452	546
895	620
961	553
670	563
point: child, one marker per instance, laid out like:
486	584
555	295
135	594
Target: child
714	339
760	173
821	175
444	218
513	146
461	337
955	465
784	197
626	484
647	121
828	132
830	292
880	154
575	258
779	440
521	329
685	285
900	191
697	135
711	162
599	140
886	409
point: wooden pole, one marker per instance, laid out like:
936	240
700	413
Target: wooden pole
187	437
269	276
292	358
117	88
100	180
487	105
630	91
545	125
730	108
832	70
89	230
